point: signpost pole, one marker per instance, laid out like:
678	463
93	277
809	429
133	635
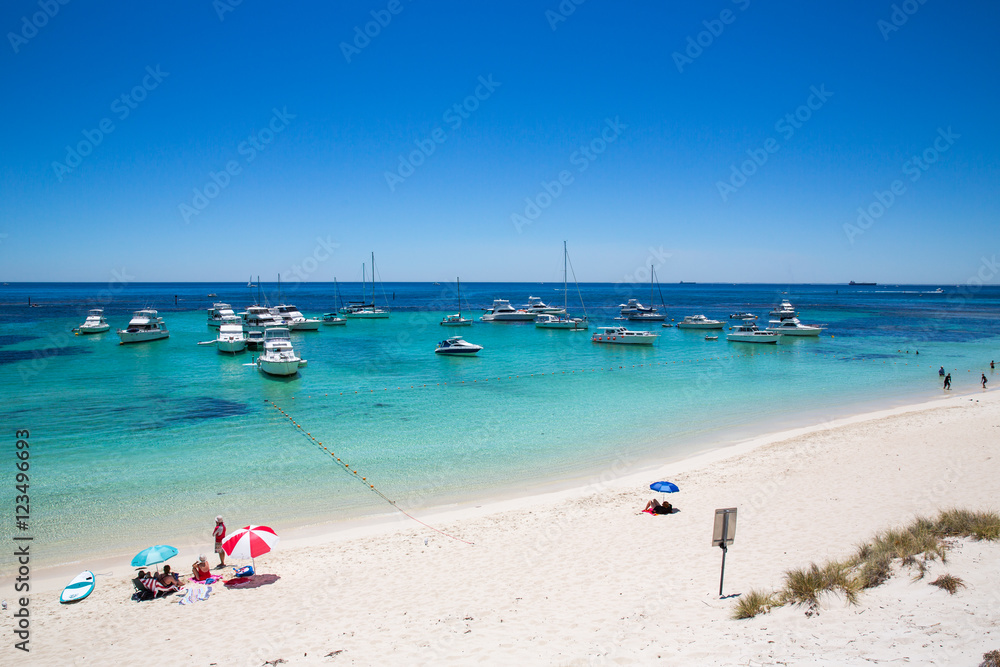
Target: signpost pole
725	531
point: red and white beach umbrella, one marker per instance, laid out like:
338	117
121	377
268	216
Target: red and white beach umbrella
250	542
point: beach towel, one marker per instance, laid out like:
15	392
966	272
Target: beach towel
195	593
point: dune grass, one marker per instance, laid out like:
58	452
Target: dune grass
913	546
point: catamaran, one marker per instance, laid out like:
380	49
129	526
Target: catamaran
563	320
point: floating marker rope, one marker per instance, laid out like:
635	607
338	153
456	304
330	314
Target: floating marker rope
354	473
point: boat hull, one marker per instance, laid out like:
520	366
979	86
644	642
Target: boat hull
796	332
509	317
307	325
701	325
141	336
576	326
458	352
93	330
740	338
624	340
279	368
456	323
231	346
366	316
340	321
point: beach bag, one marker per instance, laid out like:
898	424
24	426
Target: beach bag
245	571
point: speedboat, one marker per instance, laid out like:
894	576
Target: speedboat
259	318
145	325
537	306
549	321
502	311
711	338
749	333
456	345
293	319
278	358
622	336
217	312
792	327
699	322
742	316
231	337
784	310
331	319
95	322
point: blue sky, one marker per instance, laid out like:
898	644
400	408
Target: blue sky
651	113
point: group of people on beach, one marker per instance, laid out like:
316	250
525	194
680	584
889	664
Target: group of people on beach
200	570
169	581
947	377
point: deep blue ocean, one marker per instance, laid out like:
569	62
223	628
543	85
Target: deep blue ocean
145	444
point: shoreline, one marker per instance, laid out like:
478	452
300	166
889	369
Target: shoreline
650	583
724	446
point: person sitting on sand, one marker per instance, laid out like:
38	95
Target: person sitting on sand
200	569
168	578
654	506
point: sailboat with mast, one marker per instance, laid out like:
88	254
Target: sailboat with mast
457	320
563	320
365	309
331	319
636	312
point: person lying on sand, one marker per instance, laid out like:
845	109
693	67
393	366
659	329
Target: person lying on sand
654	506
200	569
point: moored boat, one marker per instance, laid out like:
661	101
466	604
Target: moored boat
502	311
217	313
95	322
145	325
699	322
231	337
749	333
279	357
792	327
623	336
458	346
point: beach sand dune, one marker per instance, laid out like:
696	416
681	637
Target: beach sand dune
581	577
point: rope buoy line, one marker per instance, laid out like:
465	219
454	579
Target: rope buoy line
354	473
837	355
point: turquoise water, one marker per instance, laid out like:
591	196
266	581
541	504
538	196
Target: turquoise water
142	444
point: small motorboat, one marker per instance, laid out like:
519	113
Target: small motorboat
711	338
95	323
331	319
456	345
699	322
622	336
742	316
749	333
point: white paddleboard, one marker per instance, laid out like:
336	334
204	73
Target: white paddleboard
81	586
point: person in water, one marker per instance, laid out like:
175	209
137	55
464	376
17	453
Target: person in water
941	372
947	381
983	381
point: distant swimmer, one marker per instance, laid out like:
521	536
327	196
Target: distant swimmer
947	381
991	365
941	372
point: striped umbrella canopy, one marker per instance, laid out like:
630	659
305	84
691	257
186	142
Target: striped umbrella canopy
250	542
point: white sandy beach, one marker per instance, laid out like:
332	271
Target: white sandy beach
581	577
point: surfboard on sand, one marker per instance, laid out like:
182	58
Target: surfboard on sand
81	586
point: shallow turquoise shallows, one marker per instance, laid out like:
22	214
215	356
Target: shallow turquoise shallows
144	444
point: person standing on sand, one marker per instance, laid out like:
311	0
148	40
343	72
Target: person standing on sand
220	534
947	381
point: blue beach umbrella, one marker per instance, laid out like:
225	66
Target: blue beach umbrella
664	487
153	555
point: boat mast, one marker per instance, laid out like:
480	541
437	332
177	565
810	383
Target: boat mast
279	289
373	280
459	281
362	283
565	284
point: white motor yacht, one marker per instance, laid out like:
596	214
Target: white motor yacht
278	358
792	327
295	321
145	325
622	336
259	318
537	306
231	337
749	333
255	339
699	322
217	312
95	322
635	311
502	311
456	345
784	310
742	316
